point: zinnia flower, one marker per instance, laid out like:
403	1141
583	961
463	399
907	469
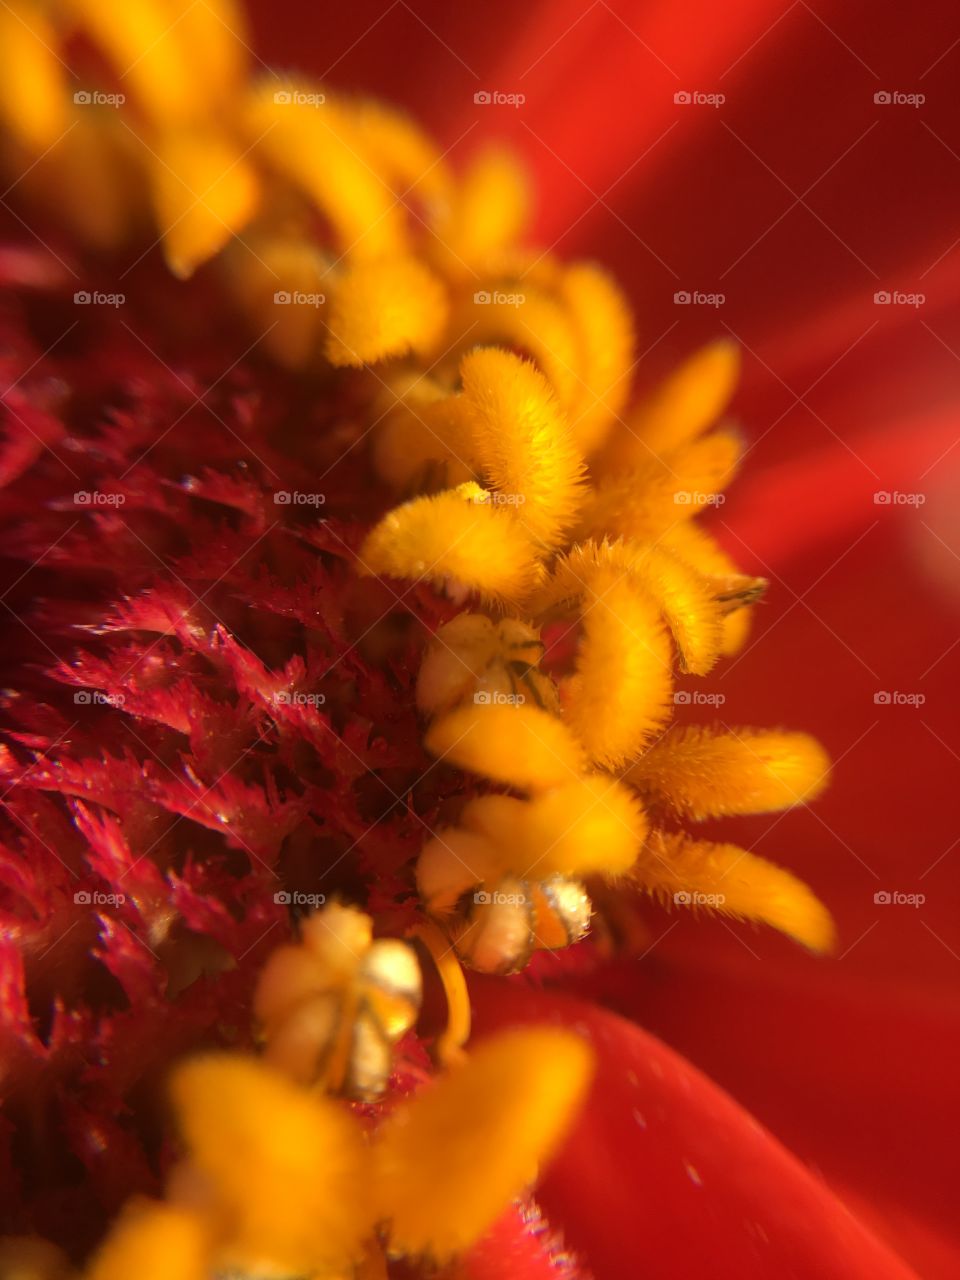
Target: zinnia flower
363	617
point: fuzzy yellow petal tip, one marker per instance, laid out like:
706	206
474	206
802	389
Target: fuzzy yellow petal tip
520	746
450	1161
734	882
691	399
153	1242
382	309
522	442
286	1168
204	192
702	773
457	540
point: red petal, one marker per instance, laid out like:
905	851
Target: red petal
665	1175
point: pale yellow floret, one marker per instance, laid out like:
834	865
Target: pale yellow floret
100	160
204	192
174	61
452	1159
33	85
522	442
423	440
727	879
687	599
521	746
382	308
691	399
657	494
487	211
621	693
603	325
286	1168
154	1241
474	654
706	773
264	270
592	825
700	550
314	147
455	861
400	151
508	313
454	539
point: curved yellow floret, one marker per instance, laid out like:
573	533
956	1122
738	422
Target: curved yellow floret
733	882
522	442
520	746
457	540
460	1151
710	773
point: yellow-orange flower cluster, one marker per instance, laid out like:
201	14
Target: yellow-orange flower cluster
529	490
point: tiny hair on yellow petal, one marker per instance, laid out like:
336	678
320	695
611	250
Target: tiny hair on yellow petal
685	872
621	692
454	539
522	442
691	399
704	773
451	1159
520	746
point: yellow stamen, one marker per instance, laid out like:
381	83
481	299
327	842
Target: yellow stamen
33	96
204	192
487	212
727	879
520	746
621	693
703	773
155	1242
604	329
688	402
455	539
384	307
452	1159
522	442
286	1169
455	1035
